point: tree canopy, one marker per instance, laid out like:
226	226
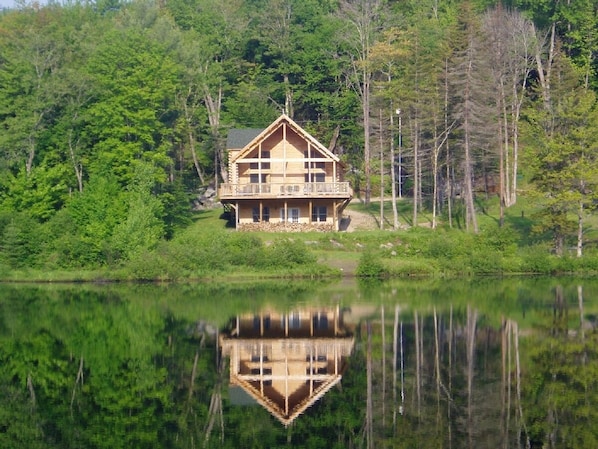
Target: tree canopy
113	112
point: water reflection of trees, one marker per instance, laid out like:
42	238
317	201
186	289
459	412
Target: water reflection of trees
442	378
102	370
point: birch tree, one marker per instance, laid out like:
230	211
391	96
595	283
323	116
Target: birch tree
364	19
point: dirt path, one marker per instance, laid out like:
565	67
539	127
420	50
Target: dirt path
358	221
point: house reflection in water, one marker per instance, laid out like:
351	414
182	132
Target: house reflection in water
286	362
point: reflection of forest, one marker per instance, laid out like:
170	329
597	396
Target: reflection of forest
103	368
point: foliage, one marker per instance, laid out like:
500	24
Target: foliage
113	113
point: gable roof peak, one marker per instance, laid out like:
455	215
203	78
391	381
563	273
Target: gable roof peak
298	129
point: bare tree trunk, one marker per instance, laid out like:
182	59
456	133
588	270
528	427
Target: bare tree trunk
193	374
383	368
415	169
78	379
213	104
470	214
369	402
503	160
77	166
503	395
580	229
581	318
190	134
521	425
437	365
395	354
393	174
31	393
545	70
471	337
449	181
365	108
418	367
450	380
381	174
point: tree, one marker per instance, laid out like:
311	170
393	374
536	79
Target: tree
32	56
565	161
364	19
209	53
132	118
469	101
510	45
143	227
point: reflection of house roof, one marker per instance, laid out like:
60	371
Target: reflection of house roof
287	361
238	396
292	382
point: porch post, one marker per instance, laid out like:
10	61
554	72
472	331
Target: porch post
335	215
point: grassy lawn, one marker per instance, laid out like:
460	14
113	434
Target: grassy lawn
211	249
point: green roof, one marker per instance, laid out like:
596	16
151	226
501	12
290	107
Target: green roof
238	138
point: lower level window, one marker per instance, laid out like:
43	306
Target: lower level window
292	214
319	213
255	212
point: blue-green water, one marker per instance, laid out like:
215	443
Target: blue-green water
405	364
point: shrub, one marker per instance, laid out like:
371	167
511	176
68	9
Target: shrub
370	265
488	262
287	253
536	259
413	268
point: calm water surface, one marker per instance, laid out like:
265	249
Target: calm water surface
404	364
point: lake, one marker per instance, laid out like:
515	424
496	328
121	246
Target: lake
485	363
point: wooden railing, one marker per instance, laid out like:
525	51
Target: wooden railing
285	190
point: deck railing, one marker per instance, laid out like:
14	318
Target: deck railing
290	189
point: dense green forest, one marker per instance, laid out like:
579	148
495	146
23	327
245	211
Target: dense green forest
113	115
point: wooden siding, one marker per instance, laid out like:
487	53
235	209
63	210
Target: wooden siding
285	168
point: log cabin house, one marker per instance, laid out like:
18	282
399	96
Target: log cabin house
282	178
287	361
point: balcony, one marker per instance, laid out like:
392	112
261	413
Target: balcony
286	190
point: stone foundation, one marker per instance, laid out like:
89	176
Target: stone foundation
286	227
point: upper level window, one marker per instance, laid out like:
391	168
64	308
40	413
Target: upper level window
254	178
315	177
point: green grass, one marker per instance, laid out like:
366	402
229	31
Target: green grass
211	249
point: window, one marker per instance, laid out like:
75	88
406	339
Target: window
265	165
320	321
319	213
315	165
254	178
293	215
315	177
294	321
255	212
